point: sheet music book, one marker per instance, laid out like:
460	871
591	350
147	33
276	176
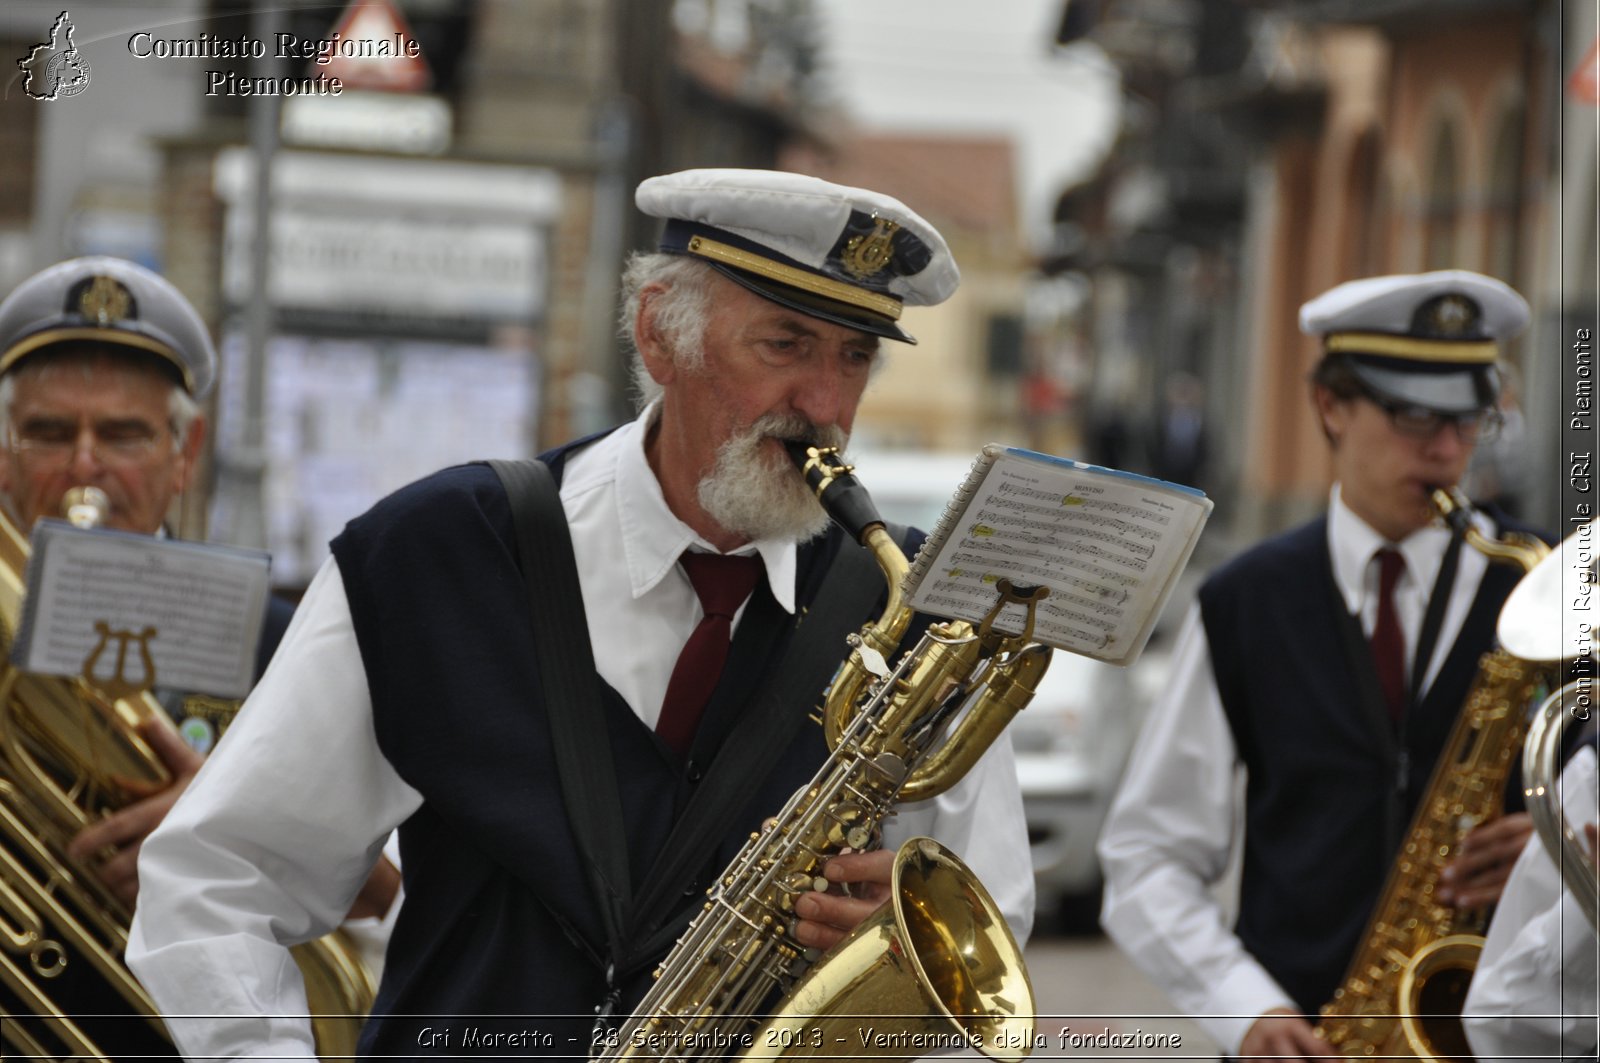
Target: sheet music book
1109	544
206	602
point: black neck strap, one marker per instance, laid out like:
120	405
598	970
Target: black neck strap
1433	618
639	928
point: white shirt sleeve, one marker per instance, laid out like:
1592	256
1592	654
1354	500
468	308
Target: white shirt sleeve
1535	991
981	820
1166	843
268	846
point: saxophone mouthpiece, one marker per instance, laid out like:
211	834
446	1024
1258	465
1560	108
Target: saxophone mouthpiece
1452	505
836	487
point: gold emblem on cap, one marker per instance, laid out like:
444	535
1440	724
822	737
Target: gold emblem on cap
1452	315
105	300
866	255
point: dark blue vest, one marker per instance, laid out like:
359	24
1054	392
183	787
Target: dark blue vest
497	947
1325	806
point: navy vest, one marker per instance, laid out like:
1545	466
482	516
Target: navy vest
498	945
1325	805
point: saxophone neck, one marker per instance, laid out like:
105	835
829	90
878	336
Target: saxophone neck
851	507
1517	548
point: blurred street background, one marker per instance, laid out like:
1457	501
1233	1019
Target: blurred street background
1140	194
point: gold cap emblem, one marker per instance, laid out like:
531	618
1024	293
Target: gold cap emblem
868	254
105	300
1452	315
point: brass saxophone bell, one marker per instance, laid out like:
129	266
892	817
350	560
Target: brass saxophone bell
935	968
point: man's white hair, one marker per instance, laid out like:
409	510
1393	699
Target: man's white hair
681	312
182	409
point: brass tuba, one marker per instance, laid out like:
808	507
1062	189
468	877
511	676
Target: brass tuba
70	752
1541	765
1403	993
937	966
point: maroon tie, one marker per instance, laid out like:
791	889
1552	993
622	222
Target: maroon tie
723	583
1388	642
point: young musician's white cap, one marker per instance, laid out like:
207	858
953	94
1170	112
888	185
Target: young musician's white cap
1427	339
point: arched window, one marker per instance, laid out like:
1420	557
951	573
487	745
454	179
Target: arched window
1439	246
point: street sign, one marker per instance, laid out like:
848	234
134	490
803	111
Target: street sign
1584	84
386	56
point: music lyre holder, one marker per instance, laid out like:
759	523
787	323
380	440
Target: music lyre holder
118	685
1012	594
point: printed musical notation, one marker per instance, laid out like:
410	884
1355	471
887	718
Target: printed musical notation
1108	546
202	606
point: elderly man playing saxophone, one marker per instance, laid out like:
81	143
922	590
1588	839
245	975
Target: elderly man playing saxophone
406	694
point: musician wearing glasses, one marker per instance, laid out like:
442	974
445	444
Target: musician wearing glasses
409	693
1328	664
103	368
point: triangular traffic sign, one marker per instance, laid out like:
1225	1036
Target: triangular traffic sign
385	55
1584	83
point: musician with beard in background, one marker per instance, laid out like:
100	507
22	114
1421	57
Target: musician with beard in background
407	695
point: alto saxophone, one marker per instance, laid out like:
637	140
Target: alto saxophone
1403	992
70	752
936	965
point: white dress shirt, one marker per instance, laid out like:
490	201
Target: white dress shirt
1174	823
277	832
1535	992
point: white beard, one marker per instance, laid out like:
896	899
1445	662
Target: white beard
761	495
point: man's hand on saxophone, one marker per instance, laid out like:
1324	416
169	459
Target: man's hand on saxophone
1477	875
858	884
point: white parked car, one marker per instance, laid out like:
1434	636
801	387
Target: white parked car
1072	741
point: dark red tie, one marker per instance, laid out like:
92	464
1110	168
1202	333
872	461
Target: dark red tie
723	583
1388	641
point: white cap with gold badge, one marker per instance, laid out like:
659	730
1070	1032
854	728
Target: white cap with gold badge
101	299
1427	339
846	255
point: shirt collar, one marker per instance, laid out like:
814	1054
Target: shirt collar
1352	542
652	535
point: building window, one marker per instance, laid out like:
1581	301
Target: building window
1442	208
1503	208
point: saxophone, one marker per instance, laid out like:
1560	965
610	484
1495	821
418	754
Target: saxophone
70	751
1403	992
936	965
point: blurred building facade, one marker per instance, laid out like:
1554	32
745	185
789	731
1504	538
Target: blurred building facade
1274	149
444	258
961	385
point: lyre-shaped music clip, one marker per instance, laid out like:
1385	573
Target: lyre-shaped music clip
119	685
1028	597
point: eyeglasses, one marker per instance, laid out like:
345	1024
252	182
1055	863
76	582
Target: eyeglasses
53	445
1419	422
